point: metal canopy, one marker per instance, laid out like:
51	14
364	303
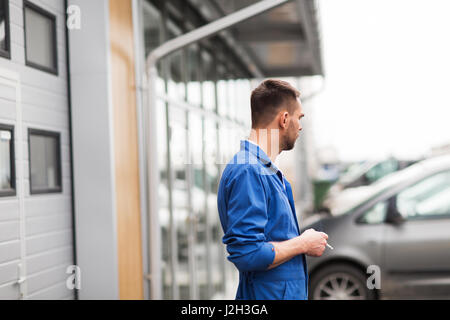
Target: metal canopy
282	42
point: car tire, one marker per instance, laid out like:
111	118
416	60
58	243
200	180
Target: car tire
340	281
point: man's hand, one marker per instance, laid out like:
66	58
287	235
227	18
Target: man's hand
314	242
310	242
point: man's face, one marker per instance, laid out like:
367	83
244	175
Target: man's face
294	127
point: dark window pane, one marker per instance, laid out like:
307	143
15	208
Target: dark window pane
44	163
40	39
6	174
4	45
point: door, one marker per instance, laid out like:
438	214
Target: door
12	255
417	250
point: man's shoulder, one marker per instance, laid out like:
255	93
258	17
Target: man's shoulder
242	166
244	157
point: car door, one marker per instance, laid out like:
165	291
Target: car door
417	250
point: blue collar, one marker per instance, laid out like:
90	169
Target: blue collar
259	154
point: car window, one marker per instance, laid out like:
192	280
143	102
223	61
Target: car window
427	198
376	214
353	172
382	169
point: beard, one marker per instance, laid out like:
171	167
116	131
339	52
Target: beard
288	141
289	144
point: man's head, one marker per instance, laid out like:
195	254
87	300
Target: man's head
275	104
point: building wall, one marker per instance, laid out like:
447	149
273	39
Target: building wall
93	152
35	230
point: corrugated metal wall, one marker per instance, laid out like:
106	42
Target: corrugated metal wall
35	230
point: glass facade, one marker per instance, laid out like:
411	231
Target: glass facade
202	111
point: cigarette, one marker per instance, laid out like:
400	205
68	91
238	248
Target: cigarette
330	247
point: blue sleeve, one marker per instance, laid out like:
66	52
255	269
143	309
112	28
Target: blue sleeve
246	220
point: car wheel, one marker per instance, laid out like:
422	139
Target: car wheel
340	282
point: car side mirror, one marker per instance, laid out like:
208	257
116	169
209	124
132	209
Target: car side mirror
393	216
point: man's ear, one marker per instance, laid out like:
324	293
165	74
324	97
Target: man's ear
284	118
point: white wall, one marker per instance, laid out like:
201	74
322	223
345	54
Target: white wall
93	154
35	230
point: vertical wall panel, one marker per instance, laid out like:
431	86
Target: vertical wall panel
93	152
126	150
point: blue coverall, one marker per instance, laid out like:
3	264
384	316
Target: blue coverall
256	206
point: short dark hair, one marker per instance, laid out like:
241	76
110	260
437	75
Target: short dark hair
267	99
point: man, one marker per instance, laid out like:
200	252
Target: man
256	205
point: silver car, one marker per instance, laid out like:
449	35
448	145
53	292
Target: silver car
392	241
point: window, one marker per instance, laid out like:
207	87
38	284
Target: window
40	38
7	174
194	70
4	29
45	161
382	169
375	215
427	198
209	76
222	92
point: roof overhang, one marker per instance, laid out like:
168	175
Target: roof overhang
282	42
